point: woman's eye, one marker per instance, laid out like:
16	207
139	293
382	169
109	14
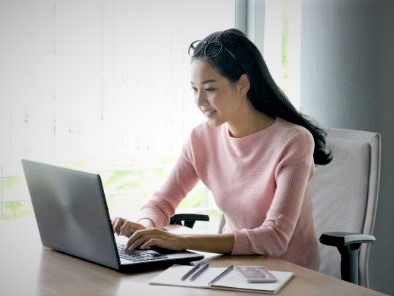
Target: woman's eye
210	89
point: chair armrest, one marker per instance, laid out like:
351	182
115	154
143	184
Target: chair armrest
345	238
348	245
188	219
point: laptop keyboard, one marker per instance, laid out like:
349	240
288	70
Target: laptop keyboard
140	255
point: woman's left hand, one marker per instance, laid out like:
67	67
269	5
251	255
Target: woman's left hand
155	237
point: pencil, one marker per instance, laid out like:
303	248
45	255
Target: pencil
226	271
190	272
200	271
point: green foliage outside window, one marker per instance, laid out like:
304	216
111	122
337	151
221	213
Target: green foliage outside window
126	189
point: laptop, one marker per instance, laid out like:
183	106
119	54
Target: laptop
72	217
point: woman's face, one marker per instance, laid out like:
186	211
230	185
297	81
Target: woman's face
216	97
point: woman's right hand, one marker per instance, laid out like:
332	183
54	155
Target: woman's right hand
125	227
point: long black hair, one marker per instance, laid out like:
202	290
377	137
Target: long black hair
233	54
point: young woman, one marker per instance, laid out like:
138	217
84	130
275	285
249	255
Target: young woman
256	154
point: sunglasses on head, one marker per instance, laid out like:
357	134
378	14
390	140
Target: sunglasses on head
210	49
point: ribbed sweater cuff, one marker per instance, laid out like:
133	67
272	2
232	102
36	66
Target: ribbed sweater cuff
241	243
151	214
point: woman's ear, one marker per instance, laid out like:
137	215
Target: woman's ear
243	84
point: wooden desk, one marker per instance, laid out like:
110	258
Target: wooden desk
26	268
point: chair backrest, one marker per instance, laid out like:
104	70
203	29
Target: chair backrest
345	194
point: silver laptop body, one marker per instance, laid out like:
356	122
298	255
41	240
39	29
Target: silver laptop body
72	217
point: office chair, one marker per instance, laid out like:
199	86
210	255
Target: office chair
344	196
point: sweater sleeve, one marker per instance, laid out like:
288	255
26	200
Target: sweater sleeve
183	177
292	175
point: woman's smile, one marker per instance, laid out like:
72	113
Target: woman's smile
208	112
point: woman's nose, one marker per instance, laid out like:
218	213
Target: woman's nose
201	98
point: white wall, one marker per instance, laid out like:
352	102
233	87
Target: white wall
347	81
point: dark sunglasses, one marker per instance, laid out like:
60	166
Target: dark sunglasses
210	49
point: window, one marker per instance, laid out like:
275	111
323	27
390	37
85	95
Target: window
282	45
100	86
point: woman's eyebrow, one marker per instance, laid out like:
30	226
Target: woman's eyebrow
206	81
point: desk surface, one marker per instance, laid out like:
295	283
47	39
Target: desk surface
27	268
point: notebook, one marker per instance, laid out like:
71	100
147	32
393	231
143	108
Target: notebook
230	281
72	217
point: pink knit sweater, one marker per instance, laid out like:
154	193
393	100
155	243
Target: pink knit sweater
260	182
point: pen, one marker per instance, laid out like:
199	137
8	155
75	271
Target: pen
190	272
226	271
200	271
